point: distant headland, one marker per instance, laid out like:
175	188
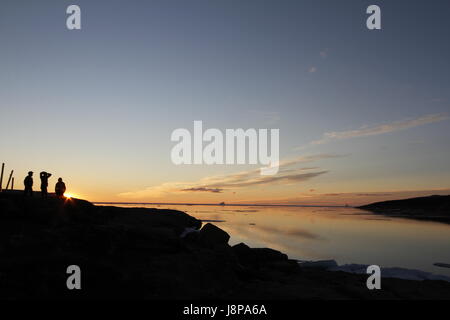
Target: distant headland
433	208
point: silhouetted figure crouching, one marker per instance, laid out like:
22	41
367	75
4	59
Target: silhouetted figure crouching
44	183
28	182
60	188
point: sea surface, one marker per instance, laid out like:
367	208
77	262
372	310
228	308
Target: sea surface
346	235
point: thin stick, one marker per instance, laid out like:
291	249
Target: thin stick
1	177
12	184
9	179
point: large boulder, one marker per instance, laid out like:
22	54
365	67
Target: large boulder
213	236
244	253
257	256
269	255
148	219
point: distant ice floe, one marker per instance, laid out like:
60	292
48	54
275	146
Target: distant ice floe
401	273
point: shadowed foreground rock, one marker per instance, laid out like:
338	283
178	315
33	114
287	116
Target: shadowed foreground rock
138	253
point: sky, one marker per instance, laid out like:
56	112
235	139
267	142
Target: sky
363	114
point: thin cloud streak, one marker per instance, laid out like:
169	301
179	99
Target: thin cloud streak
202	189
374	130
263	180
288	174
381	129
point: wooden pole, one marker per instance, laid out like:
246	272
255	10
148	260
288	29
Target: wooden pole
9	179
1	177
12	184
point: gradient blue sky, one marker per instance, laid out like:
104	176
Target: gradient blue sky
97	106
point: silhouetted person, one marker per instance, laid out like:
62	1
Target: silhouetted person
44	183
60	188
28	182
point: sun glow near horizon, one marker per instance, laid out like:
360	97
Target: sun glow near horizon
70	195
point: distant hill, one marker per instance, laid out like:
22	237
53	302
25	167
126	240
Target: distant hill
435	208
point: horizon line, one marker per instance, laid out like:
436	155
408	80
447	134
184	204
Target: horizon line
223	205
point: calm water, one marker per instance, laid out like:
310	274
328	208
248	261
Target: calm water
346	235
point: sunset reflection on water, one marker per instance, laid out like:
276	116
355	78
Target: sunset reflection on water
347	235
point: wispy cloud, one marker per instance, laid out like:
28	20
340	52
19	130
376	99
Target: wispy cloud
373	130
309	158
264	180
203	189
312	69
290	173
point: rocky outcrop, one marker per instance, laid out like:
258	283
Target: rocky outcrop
257	256
434	208
137	253
212	236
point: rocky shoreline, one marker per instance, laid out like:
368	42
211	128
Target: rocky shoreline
139	253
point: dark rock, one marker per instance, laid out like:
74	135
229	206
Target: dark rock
320	264
190	235
284	265
136	253
210	235
242	250
244	254
269	255
257	257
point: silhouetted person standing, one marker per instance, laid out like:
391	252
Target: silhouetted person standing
60	188
44	183
28	182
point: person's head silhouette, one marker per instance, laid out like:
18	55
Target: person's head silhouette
59	179
30	173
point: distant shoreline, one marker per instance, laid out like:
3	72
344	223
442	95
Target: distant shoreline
226	205
432	208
